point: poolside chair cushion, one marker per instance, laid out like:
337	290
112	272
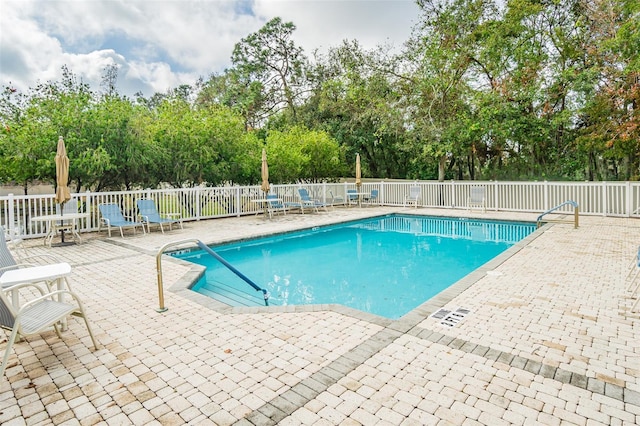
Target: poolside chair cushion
307	201
150	215
275	205
112	217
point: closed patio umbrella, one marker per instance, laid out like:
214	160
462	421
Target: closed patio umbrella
265	172
358	172
62	176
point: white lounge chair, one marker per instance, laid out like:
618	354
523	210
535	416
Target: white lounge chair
413	197
37	315
477	198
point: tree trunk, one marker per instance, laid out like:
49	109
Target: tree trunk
441	163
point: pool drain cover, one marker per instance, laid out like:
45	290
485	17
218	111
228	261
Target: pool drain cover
450	318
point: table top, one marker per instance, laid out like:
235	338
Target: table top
58	216
35	274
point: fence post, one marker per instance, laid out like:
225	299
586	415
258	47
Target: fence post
238	203
496	194
452	190
198	197
324	192
605	201
88	210
545	195
628	198
11	219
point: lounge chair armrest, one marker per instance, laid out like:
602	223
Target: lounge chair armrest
22	285
17	266
47	296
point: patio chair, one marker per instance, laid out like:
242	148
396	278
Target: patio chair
275	205
37	315
413	197
14	241
372	198
149	214
112	217
307	201
8	262
336	201
477	198
70	207
352	197
47	265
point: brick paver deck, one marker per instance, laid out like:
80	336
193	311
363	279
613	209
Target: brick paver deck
549	340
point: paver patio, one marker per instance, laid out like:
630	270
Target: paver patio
549	340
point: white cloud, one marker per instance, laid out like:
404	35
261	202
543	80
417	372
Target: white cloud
160	44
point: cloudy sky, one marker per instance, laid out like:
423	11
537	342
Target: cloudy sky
160	44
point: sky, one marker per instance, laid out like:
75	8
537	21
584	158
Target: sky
158	45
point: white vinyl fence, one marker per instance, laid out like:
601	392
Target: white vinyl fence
620	199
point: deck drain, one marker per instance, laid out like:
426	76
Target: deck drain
450	318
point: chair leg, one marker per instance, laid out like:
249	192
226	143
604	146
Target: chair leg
81	313
55	327
7	350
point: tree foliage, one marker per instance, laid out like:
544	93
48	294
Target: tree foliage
482	89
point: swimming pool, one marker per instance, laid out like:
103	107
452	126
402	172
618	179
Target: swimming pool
386	265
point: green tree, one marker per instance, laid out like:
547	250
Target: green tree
267	74
305	155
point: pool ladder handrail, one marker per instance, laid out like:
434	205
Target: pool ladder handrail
575	212
206	248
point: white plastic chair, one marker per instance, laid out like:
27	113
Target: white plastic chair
477	198
413	197
37	315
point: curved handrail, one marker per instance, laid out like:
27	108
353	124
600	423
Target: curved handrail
570	202
206	248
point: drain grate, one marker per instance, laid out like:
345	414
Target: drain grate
450	318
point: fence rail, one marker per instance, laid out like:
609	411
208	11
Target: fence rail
618	199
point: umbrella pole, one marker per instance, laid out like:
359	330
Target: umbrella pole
62	223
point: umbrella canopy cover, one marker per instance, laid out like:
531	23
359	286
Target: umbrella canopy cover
358	171
62	173
265	172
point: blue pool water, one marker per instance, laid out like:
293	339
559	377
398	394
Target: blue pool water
386	266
